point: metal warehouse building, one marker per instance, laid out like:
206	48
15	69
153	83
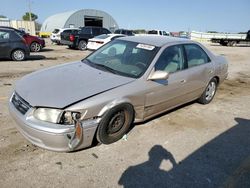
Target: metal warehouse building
79	18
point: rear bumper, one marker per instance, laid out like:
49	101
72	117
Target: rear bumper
50	136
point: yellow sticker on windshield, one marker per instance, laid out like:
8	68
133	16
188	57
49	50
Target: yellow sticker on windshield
145	46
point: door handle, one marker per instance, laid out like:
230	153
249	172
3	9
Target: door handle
183	81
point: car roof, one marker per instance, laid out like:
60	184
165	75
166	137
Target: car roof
113	34
158	41
6	28
69	28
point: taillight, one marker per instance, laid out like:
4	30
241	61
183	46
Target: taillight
71	37
99	42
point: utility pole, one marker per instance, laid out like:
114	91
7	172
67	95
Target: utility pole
30	18
29	10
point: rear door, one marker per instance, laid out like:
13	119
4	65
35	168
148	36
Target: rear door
4	43
200	69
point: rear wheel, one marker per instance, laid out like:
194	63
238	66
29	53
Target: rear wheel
233	43
82	45
115	123
35	47
18	55
208	95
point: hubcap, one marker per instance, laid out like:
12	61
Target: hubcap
83	45
210	91
116	122
35	47
19	55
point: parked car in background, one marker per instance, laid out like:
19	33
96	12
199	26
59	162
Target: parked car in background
12	45
56	34
80	40
159	32
124	32
100	40
130	79
35	43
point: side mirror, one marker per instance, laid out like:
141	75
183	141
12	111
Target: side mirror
158	75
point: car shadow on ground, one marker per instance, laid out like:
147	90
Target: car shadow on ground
46	50
222	162
35	57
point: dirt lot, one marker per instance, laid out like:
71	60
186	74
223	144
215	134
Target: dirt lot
192	146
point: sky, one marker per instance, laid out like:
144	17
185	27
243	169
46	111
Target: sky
169	15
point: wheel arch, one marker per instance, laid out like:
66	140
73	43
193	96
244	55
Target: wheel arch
217	79
81	39
113	104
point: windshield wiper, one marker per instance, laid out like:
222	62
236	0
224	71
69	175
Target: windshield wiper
104	67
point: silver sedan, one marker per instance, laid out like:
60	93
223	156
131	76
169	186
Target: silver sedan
131	79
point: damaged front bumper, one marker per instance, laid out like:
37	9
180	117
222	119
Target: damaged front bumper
55	137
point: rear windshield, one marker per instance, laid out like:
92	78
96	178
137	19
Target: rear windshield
117	31
104	36
56	31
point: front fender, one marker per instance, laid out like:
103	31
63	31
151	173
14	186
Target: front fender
113	104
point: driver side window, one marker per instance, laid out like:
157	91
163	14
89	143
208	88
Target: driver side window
171	60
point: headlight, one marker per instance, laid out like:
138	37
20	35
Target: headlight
48	114
58	116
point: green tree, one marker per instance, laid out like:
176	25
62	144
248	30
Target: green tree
26	16
2	16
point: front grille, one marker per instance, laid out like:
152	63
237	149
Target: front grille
21	105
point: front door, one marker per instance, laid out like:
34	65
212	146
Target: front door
164	94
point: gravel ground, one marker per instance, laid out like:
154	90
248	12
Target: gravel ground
191	146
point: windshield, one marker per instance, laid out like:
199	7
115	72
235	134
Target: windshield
124	58
56	31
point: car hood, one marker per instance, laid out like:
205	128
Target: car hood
66	84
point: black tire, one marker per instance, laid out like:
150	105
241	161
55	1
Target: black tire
35	47
115	123
18	55
71	47
82	45
229	43
209	93
233	43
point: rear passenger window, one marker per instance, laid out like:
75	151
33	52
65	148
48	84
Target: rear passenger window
86	30
195	55
105	31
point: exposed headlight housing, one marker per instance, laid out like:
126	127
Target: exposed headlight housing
58	116
69	118
48	114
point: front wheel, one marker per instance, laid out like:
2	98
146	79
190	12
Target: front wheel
82	45
18	55
115	123
208	95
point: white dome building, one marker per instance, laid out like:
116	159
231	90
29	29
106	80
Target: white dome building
79	18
